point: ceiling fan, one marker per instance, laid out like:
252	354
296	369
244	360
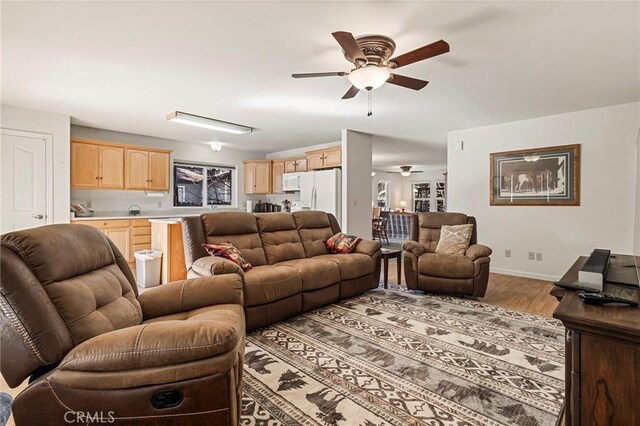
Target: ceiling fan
372	67
406	171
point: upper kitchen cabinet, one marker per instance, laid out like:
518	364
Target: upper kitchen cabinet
95	166
107	165
295	165
257	176
159	171
324	158
277	170
147	170
137	169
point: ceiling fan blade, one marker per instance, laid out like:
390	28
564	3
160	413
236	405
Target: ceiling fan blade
348	42
408	82
319	74
351	92
422	53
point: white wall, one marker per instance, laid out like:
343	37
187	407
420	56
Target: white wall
356	183
605	216
637	218
56	125
119	201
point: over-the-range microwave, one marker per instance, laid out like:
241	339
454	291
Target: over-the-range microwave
291	182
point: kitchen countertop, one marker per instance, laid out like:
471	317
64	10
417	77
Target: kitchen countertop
155	215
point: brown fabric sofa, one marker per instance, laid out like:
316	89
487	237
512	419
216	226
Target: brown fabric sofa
72	319
443	273
293	271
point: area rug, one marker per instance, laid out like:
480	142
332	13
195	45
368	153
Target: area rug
394	358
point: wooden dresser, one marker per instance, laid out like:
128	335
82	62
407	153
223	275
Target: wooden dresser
602	356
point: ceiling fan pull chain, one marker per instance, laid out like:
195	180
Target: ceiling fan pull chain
370	97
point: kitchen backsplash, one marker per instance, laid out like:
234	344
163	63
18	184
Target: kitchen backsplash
120	201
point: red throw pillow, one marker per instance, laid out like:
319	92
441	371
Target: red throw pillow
228	251
342	243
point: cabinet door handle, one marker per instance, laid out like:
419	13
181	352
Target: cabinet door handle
97	177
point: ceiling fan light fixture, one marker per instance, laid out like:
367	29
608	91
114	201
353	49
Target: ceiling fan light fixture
405	171
370	77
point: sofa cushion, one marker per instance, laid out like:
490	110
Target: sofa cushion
280	237
352	265
342	243
269	283
454	239
445	265
316	273
237	228
314	228
228	251
431	223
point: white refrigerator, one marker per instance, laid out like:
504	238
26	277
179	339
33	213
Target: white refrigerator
322	190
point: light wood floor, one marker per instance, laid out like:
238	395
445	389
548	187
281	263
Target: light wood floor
522	294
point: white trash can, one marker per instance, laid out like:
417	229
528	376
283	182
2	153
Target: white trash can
148	267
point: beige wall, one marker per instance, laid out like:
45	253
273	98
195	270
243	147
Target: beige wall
605	217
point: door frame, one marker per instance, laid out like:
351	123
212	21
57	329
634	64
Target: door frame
48	161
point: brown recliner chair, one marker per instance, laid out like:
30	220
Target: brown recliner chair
444	273
72	319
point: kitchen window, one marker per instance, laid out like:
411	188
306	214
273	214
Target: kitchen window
202	185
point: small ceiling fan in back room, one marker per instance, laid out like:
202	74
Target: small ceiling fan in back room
406	171
372	67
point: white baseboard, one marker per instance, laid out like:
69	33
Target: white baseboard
543	277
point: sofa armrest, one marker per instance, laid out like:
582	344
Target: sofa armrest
414	247
157	344
367	247
194	293
215	265
476	251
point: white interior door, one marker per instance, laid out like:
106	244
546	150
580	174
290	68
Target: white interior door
23	181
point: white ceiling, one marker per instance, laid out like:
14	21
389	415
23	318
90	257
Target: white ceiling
124	66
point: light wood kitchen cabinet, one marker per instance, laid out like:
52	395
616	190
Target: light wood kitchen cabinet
257	176
277	170
325	158
96	166
159	171
121	237
295	165
136	169
147	170
111	167
108	165
85	165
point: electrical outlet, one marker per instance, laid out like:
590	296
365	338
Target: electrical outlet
88	204
159	204
507	253
539	256
532	256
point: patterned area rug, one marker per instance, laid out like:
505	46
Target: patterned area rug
390	357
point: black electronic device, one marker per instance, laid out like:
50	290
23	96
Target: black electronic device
604	298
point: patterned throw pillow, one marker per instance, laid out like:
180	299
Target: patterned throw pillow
454	239
228	251
342	243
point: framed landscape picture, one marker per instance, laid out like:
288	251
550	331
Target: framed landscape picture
547	176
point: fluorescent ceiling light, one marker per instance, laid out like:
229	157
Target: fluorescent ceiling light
208	123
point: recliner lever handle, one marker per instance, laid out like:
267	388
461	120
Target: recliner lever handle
167	398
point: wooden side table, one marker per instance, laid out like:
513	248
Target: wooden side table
390	254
